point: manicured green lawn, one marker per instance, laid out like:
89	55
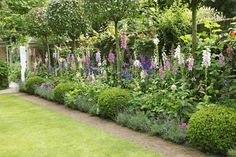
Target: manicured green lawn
28	130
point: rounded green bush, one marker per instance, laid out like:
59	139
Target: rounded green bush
32	82
112	101
213	129
60	90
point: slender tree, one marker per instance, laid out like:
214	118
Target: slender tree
66	17
37	26
114	11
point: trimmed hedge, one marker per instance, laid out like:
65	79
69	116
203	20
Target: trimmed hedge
60	90
3	75
213	129
32	82
113	101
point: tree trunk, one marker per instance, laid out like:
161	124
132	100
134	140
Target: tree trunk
48	52
194	28
118	55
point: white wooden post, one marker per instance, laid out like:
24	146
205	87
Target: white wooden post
23	62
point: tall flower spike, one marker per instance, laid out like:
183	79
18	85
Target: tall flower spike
111	58
162	73
206	59
137	64
190	64
222	59
98	57
123	41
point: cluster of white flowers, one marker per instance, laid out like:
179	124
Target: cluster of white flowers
177	52
143	74
137	64
206	58
173	87
156	41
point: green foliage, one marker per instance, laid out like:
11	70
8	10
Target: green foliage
212	129
14	72
66	17
32	83
87	105
45	91
3	74
112	101
138	122
60	91
37	23
232	153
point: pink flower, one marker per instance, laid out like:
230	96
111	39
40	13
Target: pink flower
230	53
98	57
167	65
86	60
111	58
90	78
234	33
174	70
184	126
82	48
201	89
222	59
137	64
161	73
190	64
123	42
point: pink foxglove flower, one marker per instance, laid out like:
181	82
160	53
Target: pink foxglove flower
181	60
86	60
174	70
167	65
161	73
82	48
230	53
98	57
90	78
222	59
123	41
137	64
190	64
111	58
206	58
143	74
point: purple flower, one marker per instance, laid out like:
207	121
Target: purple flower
111	58
222	59
98	57
190	64
123	41
174	70
161	73
230	53
90	78
201	89
184	126
153	64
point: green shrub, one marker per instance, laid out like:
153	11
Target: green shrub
3	75
84	104
213	129
45	91
112	101
32	82
60	90
14	72
232	153
22	87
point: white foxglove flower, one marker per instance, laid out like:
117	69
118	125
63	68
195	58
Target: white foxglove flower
177	52
156	41
206	58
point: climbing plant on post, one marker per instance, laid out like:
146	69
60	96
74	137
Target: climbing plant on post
37	26
114	11
66	17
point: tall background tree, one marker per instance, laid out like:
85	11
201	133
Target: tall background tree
66	18
112	11
37	26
